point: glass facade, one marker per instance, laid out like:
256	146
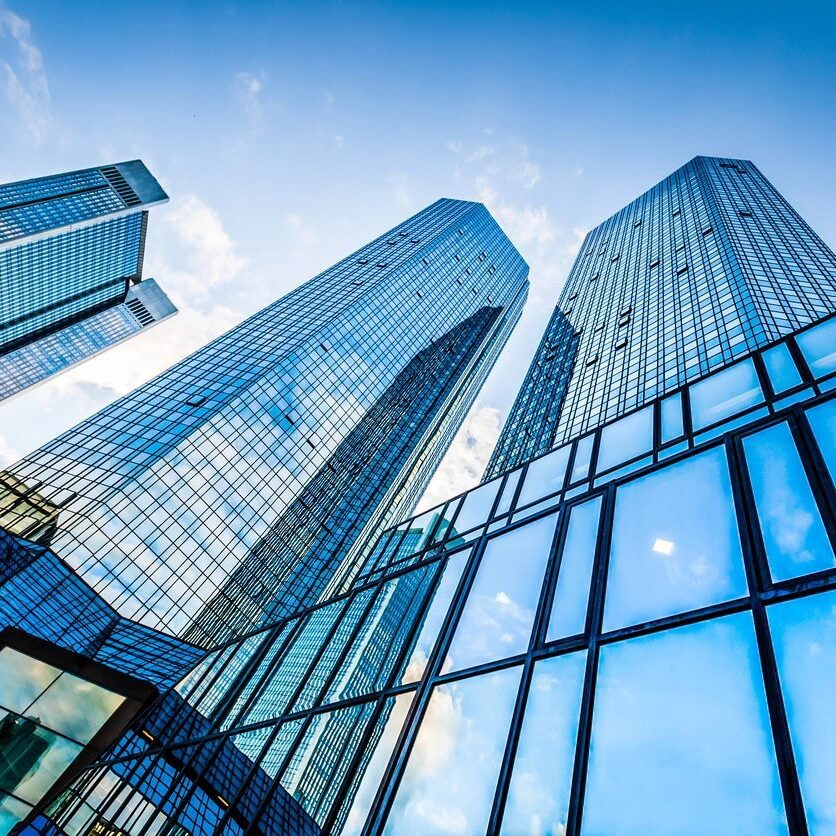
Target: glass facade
71	254
706	266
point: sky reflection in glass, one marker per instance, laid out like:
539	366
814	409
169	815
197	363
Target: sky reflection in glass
818	345
780	368
544	476
538	795
626	439
804	635
450	779
725	394
680	736
575	573
793	533
499	613
822	419
675	545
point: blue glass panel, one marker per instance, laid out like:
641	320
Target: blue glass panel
781	368
433	620
681	719
580	467
575	573
544	476
626	439
671	415
508	493
497	618
725	394
476	507
818	345
669	555
23	679
804	635
793	533
450	778
538	795
822	419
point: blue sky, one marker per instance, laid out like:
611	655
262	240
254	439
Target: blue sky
289	134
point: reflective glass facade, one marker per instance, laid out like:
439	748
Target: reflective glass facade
230	488
706	266
71	248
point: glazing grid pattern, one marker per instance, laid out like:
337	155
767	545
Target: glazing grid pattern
330	707
166	492
700	270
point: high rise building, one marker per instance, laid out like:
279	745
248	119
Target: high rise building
235	483
629	631
71	255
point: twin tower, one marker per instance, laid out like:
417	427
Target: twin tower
218	615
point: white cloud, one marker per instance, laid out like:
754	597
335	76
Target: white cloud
454	145
340	140
480	153
26	82
248	88
301	231
467	458
8	454
400	182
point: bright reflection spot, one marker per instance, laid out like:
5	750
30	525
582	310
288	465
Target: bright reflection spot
663	546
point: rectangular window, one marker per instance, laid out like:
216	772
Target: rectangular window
544	476
625	439
724	394
781	368
818	345
671	416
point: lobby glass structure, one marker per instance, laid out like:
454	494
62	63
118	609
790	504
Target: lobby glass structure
631	632
71	255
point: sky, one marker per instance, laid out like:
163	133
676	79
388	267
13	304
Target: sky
290	134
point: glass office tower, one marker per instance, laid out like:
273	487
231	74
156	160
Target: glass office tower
234	484
632	632
71	254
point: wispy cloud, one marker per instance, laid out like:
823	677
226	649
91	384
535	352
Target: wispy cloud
301	230
400	184
27	87
248	88
8	454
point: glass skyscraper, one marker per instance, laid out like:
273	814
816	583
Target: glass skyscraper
628	629
71	255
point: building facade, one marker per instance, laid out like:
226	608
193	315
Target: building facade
221	488
71	255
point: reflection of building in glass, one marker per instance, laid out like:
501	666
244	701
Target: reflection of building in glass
71	253
650	599
170	490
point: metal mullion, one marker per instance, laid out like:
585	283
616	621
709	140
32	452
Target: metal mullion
385	795
818	474
595	617
753	556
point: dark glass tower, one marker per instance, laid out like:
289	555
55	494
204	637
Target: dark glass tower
631	632
237	481
71	254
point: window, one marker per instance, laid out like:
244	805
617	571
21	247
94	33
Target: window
499	613
671	409
681	718
818	345
804	635
781	369
542	773
580	468
476	506
625	439
669	555
456	781
725	394
569	608
544	476
822	419
793	533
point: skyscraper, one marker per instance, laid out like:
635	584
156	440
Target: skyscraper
71	255
235	483
629	631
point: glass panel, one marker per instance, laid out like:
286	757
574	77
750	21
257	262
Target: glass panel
781	368
450	779
75	707
675	545
32	758
476	507
545	476
580	467
508	493
499	613
434	618
12	811
725	394
538	795
804	634
818	345
793	533
392	720
680	717
575	573
822	419
22	679
626	439
672	426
